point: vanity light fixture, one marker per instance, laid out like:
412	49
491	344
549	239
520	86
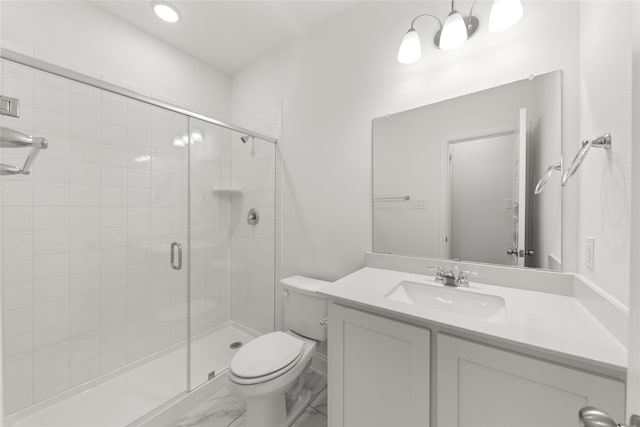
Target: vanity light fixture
166	11
504	14
457	29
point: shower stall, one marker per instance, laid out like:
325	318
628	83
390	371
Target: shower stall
138	250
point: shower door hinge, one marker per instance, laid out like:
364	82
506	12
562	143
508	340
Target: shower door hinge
9	106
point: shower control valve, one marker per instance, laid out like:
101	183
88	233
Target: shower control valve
253	217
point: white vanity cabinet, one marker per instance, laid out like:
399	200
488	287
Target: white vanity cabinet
379	375
378	371
481	386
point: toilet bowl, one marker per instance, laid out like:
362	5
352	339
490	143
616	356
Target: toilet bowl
265	369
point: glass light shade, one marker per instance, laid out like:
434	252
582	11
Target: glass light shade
504	14
454	32
165	11
410	50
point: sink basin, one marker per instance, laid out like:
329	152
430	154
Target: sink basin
451	300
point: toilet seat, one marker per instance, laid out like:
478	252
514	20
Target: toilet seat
265	358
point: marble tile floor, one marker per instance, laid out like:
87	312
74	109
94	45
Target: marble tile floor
225	410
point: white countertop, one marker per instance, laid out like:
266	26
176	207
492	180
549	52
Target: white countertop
550	323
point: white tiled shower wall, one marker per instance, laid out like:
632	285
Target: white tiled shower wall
255	249
87	286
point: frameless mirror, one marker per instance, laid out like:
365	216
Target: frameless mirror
474	178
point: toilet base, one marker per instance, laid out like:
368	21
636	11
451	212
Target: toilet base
267	411
270	411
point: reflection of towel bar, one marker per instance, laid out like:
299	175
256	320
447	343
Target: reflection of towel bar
393	199
603	141
545	177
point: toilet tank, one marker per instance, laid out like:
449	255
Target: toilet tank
304	308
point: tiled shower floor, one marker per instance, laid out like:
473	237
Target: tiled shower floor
225	410
132	394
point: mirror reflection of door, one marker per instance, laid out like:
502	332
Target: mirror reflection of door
482	190
410	157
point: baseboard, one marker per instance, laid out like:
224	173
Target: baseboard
319	363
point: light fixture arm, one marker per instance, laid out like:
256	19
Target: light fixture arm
426	14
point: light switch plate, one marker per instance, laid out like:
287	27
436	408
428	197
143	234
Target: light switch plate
590	252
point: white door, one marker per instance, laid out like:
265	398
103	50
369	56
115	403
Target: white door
518	248
480	187
633	372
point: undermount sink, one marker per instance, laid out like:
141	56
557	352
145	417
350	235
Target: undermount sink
460	302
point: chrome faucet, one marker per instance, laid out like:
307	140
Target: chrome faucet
455	277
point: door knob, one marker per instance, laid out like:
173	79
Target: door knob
594	417
511	251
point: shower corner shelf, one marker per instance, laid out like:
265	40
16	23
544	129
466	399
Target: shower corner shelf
228	191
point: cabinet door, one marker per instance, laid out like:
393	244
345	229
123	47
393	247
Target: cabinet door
481	386
378	371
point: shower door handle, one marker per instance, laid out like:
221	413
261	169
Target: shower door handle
175	266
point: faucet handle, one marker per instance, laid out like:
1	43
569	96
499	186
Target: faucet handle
462	279
439	270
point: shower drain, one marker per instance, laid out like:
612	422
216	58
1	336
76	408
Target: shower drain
235	345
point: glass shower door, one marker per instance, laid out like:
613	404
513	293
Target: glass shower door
100	325
232	258
167	214
210	261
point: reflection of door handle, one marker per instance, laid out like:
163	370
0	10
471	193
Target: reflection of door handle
512	251
529	252
173	264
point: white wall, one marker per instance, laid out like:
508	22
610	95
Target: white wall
335	81
633	376
80	36
605	177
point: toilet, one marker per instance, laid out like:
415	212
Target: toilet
264	370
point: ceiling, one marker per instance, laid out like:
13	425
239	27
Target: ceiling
229	35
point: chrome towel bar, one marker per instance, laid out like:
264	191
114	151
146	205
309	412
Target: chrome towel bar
393	199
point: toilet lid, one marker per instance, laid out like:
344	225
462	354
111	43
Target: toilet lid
266	354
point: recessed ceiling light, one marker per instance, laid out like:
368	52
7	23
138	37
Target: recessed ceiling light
166	11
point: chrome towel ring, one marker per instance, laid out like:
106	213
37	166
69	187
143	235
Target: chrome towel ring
603	141
545	177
